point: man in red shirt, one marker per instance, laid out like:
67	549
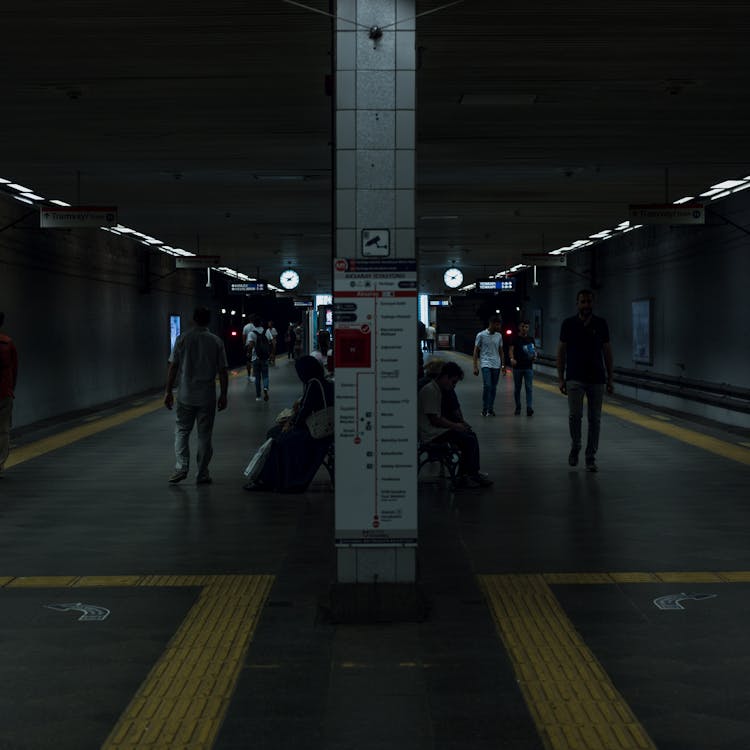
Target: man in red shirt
8	378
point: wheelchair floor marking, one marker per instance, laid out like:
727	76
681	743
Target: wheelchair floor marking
183	700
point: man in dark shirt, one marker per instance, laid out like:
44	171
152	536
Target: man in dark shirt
522	356
584	367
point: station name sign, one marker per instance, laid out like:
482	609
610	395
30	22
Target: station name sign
667	213
69	217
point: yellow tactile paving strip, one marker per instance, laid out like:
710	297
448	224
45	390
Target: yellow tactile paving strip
66	437
183	700
572	701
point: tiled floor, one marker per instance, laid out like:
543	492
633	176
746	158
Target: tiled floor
101	506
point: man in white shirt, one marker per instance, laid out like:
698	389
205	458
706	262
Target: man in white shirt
488	353
248	328
197	358
433	427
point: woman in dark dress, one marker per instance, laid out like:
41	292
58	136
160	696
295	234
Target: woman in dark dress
296	456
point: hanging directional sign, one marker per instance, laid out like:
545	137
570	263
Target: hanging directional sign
544	259
67	217
667	213
197	261
249	286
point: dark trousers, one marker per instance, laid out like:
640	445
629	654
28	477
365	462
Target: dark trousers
468	447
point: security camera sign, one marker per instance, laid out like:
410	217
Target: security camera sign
376	243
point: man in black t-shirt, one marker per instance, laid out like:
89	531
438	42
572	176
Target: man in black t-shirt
584	367
522	355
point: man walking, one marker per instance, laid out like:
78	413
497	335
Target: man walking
488	352
522	355
197	358
584	367
8	379
261	348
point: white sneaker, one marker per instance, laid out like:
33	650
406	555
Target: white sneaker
258	398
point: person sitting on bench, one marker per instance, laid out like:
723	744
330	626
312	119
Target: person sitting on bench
295	455
435	428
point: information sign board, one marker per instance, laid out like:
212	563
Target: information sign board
375	313
497	285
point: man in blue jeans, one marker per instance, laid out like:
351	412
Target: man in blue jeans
522	355
584	368
488	353
261	347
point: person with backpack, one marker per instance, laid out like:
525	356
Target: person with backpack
262	349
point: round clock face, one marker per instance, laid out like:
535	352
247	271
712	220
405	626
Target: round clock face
453	278
289	279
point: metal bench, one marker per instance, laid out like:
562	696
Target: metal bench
442	453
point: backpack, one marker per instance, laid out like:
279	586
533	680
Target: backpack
262	345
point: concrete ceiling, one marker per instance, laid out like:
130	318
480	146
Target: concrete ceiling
209	125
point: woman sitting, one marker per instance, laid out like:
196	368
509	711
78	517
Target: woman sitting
295	455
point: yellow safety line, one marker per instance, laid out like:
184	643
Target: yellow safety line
183	700
92	425
733	451
62	439
572	701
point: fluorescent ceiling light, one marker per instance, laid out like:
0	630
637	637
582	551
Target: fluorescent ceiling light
686	199
20	188
709	193
744	186
33	196
723	194
3	181
23	200
728	184
59	203
601	235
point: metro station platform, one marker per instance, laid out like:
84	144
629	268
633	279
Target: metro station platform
566	609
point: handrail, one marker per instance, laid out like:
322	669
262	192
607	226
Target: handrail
724	395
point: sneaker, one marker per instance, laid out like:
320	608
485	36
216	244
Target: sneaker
491	413
529	412
573	458
517	411
484	413
480	480
265	394
177	476
591	464
258	398
203	479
